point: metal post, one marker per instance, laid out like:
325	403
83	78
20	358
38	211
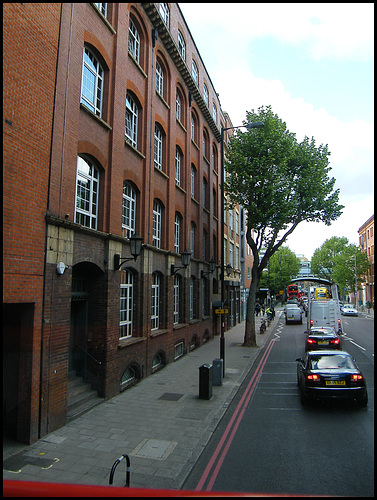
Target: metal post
222	265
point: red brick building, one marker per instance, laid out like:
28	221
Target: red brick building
116	133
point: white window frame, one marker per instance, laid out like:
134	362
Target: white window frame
87	192
157	220
164	12
179	350
132	113
177	232
194	72
177	281
214	113
205	94
102	7
193	175
178	162
178	107
155	315
181	45
128	210
192	238
92	82
159	79
157	147
126	305
133	41
192	128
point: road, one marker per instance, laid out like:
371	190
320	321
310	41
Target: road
268	443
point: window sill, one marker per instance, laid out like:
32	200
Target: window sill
129	341
134	149
137	64
156	333
181	124
180	188
93	115
161	172
178	326
162	99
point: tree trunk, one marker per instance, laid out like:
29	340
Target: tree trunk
250	334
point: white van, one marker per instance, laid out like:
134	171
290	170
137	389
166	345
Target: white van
324	313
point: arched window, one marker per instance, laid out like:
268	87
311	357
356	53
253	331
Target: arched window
126	304
92	82
155	316
134	41
194	72
159	79
132	114
177	232
158	147
178	166
157	224
87	184
128	210
181	45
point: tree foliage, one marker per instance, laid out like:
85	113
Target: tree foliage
280	183
335	260
282	267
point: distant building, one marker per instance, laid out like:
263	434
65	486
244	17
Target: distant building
366	244
305	270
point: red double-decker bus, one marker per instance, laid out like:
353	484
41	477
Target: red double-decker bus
293	292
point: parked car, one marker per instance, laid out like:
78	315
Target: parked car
322	338
293	313
330	374
349	310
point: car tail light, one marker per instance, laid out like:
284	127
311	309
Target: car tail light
339	322
311	322
310	341
335	341
313	376
355	377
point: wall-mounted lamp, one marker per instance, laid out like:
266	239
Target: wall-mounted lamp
136	242
229	269
186	257
212	267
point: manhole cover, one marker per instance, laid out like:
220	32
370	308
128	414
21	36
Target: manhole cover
171	396
154	448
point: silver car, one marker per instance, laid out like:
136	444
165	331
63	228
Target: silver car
293	314
349	310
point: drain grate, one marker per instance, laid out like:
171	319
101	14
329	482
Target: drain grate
171	396
154	448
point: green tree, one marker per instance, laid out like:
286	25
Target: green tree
323	260
282	267
281	183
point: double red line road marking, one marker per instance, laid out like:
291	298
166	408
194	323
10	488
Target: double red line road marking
225	441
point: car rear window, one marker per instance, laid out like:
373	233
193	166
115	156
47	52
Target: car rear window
334	361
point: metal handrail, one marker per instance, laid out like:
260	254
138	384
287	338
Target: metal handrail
127	470
88	353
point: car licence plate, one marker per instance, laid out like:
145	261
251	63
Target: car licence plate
323	342
335	382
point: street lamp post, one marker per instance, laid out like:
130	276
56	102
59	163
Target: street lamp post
222	221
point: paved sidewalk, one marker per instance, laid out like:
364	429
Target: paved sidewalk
160	423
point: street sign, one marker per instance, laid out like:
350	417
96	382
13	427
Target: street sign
221	311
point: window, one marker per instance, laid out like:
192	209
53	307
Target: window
178	350
132	113
157	148
164	12
126	305
194	72
204	249
205	144
157	219
214	158
178	107
155	301
193	174
102	7
194	128
177	232
205	93
192	238
128	210
231	256
86	193
214	202
133	41
92	83
181	45
178	161
192	288
204	192
177	294
159	79
214	113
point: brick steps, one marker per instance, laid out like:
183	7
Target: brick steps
81	397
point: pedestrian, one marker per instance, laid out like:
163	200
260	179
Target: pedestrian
257	309
263	309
